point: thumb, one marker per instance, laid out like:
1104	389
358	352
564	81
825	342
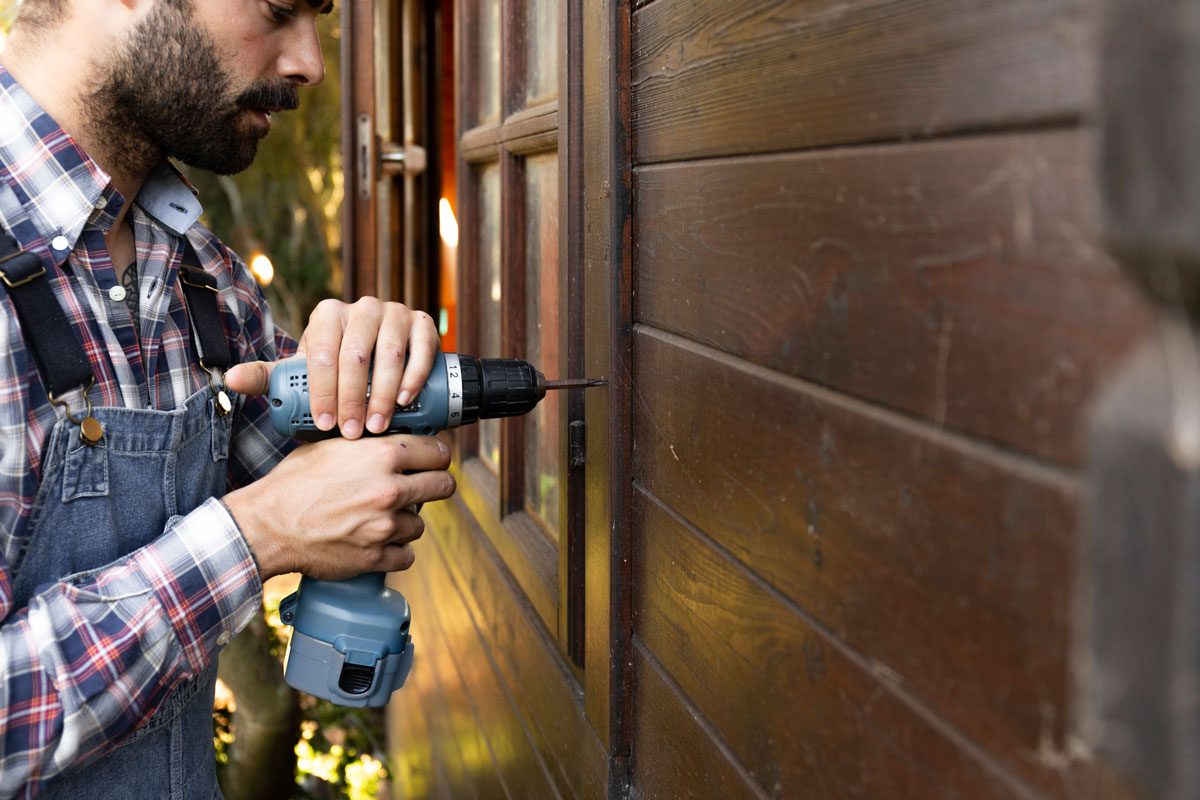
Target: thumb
253	377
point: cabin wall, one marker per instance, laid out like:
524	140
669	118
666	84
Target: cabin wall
870	310
869	313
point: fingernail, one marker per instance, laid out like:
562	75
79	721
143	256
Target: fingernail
377	423
325	421
351	428
405	396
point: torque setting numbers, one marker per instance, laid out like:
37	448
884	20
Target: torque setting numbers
454	390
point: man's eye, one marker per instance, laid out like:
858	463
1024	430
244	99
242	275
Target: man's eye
280	13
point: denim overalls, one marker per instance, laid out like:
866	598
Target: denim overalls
98	503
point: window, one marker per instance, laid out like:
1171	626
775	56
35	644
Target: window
514	247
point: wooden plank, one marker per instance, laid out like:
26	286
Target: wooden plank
805	719
607	292
413	772
425	688
526	657
526	551
675	756
521	768
940	560
716	78
417	760
951	280
464	724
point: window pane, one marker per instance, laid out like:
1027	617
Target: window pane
489	296
543	468
541	48
488	45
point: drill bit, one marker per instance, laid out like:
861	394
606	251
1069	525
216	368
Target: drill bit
575	383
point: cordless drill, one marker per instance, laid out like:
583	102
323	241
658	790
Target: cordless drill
350	638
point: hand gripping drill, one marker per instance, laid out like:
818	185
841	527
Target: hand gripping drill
350	638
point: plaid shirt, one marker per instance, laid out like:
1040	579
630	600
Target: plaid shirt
85	660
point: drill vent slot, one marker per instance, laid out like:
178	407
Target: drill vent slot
298	380
356	679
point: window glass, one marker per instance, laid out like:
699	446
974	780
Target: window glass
542	334
488	42
489	295
541	50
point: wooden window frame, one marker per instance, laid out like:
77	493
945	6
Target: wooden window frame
550	575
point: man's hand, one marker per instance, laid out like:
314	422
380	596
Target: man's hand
335	509
339	343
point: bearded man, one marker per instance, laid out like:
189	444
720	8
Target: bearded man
124	564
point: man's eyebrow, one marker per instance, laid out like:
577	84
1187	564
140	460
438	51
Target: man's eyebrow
323	6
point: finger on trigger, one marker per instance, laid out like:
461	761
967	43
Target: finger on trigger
321	343
354	365
388	368
422	348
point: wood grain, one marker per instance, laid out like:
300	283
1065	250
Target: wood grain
805	720
607	297
525	656
941	561
675	757
716	78
957	280
503	731
528	555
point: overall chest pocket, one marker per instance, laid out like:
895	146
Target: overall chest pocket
85	470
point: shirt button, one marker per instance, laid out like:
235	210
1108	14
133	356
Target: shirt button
102	203
117	294
223	639
60	243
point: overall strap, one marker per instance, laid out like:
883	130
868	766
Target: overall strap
200	291
51	337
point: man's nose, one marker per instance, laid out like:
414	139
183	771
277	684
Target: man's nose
302	61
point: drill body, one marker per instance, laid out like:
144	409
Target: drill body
350	640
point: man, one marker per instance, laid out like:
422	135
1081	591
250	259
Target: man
121	573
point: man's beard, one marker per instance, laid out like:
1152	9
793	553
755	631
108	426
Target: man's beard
166	93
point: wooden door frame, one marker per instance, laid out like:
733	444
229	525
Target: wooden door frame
595	143
606	202
359	227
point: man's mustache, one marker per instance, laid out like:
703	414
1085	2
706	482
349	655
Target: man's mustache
281	95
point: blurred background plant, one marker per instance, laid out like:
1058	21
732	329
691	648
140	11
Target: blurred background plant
283	216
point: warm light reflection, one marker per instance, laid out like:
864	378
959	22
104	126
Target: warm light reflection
262	269
447	224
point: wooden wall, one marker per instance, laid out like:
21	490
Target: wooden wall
491	710
869	313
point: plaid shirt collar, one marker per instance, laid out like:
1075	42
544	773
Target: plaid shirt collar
62	189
